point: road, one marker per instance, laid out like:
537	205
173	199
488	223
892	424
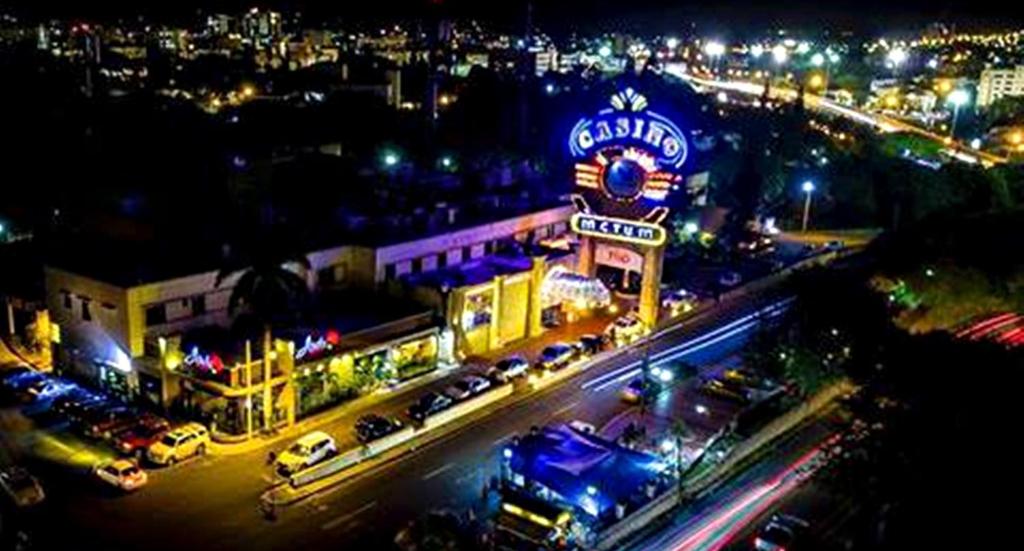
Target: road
882	123
729	514
211	502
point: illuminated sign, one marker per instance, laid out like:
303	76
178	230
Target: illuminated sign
313	348
628	161
628	123
617	229
210	362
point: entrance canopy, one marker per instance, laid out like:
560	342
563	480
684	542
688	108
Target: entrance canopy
563	286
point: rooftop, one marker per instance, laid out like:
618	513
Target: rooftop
584	468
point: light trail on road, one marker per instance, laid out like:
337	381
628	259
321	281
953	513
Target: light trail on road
715	528
690	346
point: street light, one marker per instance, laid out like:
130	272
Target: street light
818	59
808	189
897	56
715	50
957	98
756	51
780	54
604	51
390	159
672	43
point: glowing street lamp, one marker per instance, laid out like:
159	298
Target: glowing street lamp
756	51
604	51
897	57
672	43
818	59
957	98
808	189
780	54
390	159
714	50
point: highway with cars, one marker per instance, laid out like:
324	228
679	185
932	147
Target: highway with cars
220	493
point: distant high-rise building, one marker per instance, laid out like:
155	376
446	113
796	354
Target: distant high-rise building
219	24
1000	83
261	26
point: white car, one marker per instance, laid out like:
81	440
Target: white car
123	474
181	443
627	329
22	487
466	387
679	301
306	452
510	368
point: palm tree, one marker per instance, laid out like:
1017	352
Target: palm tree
270	294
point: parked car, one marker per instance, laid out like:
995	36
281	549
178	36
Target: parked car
74	404
21	487
781	532
19	382
115	427
590	344
104	423
137	438
306	452
509	368
188	440
121	473
466	387
556	356
637	389
729	279
91	421
626	329
49	389
374	427
718	389
429	404
679	301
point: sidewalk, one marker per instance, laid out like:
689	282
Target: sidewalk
529	348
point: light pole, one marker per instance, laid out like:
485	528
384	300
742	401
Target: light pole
957	98
714	50
808	189
897	57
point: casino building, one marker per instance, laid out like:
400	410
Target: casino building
148	322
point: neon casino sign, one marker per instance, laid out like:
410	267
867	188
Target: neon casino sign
628	122
628	161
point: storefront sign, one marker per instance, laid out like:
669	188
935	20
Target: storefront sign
312	348
618	257
617	229
209	362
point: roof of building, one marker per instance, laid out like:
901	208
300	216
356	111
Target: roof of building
581	467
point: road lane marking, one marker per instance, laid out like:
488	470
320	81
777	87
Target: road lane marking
338	521
504	439
438	471
566	408
715	336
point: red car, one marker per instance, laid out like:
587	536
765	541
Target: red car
137	438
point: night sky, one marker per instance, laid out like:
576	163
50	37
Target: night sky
567	15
